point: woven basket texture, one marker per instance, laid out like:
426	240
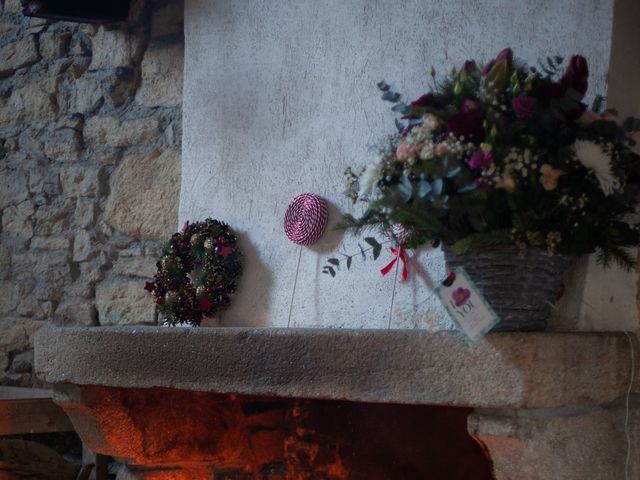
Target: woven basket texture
521	290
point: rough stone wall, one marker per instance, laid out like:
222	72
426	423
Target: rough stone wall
90	139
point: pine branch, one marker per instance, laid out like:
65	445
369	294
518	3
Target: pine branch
482	240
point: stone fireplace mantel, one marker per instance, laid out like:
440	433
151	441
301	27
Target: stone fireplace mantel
507	370
544	402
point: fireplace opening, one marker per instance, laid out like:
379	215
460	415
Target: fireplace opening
206	435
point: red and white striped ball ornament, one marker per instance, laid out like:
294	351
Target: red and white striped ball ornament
305	219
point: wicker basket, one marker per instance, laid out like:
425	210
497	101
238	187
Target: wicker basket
520	290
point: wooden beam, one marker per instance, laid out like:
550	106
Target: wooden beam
20	459
26	410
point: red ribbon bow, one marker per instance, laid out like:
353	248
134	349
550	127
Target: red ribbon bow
399	254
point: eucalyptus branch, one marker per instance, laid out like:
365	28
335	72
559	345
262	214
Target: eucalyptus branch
374	246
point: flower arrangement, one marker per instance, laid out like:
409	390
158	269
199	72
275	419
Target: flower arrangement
505	154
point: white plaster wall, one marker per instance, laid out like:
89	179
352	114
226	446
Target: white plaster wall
279	97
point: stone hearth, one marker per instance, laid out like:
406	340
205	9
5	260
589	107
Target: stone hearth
543	406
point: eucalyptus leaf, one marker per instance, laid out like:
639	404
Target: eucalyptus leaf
372	242
334	261
437	185
598	101
468	188
329	270
424	188
349	262
401	108
406	189
453	172
376	251
382	85
390	96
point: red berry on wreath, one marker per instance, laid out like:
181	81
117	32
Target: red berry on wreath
206	304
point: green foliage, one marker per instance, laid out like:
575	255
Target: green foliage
478	241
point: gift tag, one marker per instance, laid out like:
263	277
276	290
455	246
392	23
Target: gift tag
466	305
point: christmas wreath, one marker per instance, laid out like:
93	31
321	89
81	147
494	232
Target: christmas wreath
198	272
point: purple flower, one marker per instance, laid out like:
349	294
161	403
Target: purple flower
524	106
576	76
468	122
506	55
469	105
460	296
480	159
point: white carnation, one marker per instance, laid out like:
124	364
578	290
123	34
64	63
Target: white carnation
592	156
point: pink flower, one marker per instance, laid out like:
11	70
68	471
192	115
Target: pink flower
460	296
441	149
480	159
549	177
405	151
524	106
506	182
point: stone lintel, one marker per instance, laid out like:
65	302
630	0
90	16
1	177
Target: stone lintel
506	370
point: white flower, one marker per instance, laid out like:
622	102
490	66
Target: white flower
430	122
426	152
369	178
592	156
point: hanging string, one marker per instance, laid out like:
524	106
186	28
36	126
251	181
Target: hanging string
295	282
393	293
